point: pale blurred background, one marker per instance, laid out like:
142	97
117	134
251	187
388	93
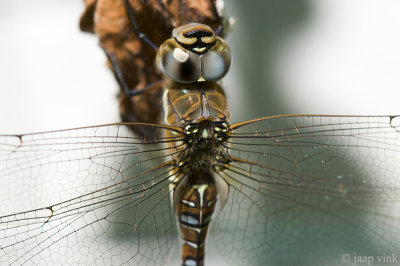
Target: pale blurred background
312	56
293	56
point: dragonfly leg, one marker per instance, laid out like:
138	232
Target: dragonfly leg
120	77
220	30
140	34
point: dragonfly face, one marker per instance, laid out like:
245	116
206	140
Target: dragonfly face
304	190
194	54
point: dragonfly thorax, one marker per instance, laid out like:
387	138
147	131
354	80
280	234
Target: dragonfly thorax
205	149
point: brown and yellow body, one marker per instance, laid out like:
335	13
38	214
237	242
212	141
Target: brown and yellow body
192	60
201	109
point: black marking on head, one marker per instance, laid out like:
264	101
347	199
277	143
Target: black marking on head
198	47
197	33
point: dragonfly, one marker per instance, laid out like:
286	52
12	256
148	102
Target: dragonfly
304	189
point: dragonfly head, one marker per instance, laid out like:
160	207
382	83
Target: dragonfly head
194	54
195	37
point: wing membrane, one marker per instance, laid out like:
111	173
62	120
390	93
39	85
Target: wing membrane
307	189
84	195
304	190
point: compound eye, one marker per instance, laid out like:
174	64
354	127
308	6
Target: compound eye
177	63
216	62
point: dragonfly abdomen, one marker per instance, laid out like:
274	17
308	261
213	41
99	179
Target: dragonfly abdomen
195	198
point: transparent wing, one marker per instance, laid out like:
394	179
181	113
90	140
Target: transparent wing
312	190
95	195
